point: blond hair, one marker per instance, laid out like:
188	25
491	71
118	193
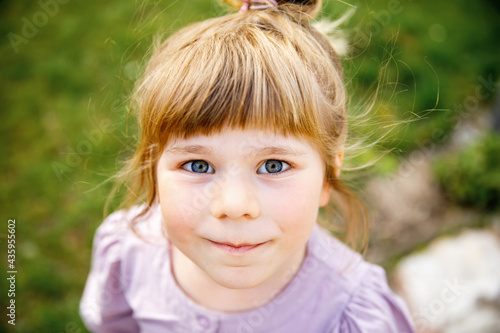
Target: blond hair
267	69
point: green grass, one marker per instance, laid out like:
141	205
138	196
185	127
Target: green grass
471	176
74	76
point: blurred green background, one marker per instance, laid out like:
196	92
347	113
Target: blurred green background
68	68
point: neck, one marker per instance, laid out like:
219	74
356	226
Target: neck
211	295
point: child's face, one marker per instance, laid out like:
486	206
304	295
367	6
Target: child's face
241	187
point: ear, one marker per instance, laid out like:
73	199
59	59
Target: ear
338	162
325	194
327	188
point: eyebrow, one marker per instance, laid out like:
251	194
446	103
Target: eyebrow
272	150
194	149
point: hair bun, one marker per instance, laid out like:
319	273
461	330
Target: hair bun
307	9
304	10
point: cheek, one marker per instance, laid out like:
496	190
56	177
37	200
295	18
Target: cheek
295	205
179	209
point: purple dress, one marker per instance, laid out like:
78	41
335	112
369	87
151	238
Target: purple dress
130	288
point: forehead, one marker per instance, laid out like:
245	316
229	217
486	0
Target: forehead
244	141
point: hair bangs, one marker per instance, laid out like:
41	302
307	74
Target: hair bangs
239	79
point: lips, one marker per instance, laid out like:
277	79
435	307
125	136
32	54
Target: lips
240	248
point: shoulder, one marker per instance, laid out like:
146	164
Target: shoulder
126	232
121	260
364	301
128	224
373	307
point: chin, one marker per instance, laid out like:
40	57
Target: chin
239	278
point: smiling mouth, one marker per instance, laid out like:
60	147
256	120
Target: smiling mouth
231	248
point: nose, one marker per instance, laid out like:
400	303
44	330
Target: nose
234	199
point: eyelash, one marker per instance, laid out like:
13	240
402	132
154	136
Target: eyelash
290	166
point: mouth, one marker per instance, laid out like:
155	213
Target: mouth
233	248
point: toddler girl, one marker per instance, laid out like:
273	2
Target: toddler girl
243	125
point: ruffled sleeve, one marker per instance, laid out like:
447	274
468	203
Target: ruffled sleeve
373	307
103	307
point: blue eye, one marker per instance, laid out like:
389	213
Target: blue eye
198	166
273	166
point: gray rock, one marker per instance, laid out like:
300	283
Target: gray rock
454	285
